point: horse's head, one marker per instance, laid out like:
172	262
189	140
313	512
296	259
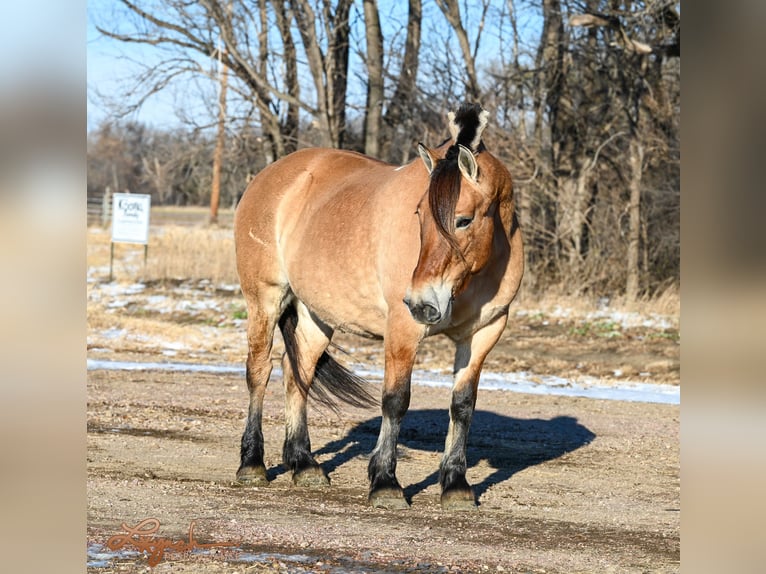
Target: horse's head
457	215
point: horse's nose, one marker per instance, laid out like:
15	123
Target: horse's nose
430	314
423	312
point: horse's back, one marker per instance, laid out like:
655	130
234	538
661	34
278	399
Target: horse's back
323	221
298	177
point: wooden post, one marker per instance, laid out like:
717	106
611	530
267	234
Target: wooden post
636	160
106	207
111	259
215	194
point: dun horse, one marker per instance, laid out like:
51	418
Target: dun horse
332	240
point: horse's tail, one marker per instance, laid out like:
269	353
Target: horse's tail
332	381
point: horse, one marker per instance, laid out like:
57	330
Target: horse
330	240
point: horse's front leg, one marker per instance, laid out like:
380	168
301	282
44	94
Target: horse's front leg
385	490
469	359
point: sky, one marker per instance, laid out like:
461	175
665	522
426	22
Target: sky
110	63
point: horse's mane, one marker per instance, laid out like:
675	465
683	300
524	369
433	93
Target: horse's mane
466	126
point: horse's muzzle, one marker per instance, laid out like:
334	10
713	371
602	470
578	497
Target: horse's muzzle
424	313
427	312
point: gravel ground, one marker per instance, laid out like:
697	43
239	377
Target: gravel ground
564	484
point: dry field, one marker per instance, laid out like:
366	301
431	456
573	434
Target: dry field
565	484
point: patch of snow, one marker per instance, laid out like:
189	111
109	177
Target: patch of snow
624	319
99	365
630	319
518	382
116	290
100	556
197	305
174	345
96	273
113	333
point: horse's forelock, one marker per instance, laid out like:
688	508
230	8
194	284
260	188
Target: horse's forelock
443	193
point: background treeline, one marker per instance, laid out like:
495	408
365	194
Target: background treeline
584	99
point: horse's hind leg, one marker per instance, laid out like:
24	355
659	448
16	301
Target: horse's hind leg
263	309
305	341
469	358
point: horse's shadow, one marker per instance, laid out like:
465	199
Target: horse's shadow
508	444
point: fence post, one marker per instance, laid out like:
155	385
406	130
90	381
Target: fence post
106	207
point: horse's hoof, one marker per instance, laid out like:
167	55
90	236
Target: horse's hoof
389	498
312	477
252	476
458	499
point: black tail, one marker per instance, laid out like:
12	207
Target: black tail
331	379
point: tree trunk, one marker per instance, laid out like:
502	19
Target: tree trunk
399	112
215	193
635	161
374	110
305	18
451	11
548	62
566	143
290	126
570	224
329	70
337	70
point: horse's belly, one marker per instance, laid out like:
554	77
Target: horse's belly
343	310
338	289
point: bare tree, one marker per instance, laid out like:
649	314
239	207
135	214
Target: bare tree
290	123
328	65
374	106
399	113
215	192
634	82
186	30
451	11
586	114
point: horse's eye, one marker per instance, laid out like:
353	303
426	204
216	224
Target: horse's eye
463	221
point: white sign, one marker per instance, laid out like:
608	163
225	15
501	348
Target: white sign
130	218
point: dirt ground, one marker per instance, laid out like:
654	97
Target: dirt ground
564	484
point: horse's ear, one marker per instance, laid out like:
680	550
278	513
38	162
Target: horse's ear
467	163
427	156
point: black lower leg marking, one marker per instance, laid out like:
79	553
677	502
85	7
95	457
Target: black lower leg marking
251	467
453	466
296	456
382	467
251	449
381	470
296	452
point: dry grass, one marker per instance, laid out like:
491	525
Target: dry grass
189	215
181	253
667	303
176	253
